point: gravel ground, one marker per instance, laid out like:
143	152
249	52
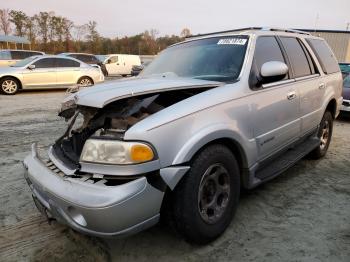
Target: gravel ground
303	215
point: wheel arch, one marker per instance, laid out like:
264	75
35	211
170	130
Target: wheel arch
332	107
85	76
13	77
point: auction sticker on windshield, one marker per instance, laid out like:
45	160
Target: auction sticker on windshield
232	41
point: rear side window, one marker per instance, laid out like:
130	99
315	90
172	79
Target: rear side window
18	55
296	56
83	58
33	53
45	63
267	49
325	56
61	62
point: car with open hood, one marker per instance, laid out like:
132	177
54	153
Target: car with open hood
208	116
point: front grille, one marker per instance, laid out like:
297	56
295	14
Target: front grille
54	168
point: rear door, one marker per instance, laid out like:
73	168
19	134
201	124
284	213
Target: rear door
307	79
68	71
43	75
276	104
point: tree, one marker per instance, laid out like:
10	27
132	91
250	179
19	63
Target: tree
79	32
185	32
30	28
19	18
42	20
5	24
93	37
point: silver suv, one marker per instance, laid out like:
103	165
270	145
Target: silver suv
208	116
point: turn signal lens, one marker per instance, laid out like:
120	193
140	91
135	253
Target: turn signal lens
141	153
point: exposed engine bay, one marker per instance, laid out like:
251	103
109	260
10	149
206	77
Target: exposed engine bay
110	122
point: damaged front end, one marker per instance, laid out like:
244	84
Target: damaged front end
80	148
97	182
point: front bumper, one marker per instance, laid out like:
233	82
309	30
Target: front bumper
94	209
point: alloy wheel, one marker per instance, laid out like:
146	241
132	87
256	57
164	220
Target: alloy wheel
85	82
9	86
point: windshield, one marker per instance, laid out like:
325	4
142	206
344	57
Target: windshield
217	59
24	62
102	58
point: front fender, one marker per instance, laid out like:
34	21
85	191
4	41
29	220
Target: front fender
209	134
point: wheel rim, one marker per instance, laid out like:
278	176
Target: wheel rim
9	86
324	135
85	82
214	193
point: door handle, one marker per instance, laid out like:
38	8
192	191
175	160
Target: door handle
291	95
322	86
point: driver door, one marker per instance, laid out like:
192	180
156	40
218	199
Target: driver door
275	104
113	65
43	75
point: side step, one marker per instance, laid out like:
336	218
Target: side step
286	160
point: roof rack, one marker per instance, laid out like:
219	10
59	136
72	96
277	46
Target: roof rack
251	28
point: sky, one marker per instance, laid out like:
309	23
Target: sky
117	18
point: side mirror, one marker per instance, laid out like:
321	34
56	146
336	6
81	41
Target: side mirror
273	71
109	61
31	67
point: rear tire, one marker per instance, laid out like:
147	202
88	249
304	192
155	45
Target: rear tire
325	134
9	86
85	81
207	197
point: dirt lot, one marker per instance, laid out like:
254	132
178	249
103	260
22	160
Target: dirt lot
303	215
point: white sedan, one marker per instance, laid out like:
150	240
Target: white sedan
48	71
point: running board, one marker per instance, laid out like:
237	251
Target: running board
286	160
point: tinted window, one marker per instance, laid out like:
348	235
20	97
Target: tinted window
5	55
61	62
267	49
45	63
84	58
296	56
18	55
325	55
31	53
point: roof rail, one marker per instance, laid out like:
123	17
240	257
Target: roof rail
251	28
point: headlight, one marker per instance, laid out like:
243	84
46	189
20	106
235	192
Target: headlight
116	152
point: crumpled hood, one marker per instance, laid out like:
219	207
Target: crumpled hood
103	94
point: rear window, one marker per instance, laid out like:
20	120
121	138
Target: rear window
5	55
324	54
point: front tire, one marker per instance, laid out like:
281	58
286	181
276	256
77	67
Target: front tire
206	199
9	86
325	134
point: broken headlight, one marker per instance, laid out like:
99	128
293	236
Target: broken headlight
116	152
